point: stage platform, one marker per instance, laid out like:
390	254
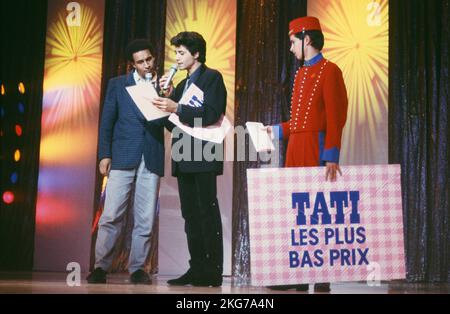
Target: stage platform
49	283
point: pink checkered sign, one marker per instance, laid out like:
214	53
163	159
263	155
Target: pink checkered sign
304	229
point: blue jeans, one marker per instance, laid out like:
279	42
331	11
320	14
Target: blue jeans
118	192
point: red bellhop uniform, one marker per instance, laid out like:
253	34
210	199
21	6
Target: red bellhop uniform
318	113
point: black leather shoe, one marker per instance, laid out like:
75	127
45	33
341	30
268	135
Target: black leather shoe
302	287
322	287
184	280
97	276
140	277
207	281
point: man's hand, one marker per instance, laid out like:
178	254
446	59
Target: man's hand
165	104
162	81
331	171
105	166
269	130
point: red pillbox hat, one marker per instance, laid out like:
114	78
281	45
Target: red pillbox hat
306	23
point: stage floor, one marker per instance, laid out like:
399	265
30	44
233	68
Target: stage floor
45	282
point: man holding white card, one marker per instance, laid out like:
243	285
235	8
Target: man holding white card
195	172
131	154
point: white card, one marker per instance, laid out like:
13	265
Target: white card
142	95
260	139
192	97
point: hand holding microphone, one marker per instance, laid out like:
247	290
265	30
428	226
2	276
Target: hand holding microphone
163	103
165	82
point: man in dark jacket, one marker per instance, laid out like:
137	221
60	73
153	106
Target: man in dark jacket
196	171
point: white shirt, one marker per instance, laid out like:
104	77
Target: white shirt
138	79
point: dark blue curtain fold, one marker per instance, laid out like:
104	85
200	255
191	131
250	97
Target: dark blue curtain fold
419	35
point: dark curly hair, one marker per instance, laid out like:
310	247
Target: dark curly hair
138	45
193	41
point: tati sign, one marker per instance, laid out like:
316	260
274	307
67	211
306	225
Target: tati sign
304	229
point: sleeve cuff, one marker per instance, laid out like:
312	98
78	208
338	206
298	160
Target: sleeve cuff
104	156
277	131
331	155
179	109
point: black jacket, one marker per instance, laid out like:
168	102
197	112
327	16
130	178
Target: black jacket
215	100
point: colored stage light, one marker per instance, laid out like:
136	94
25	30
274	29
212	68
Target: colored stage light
8	197
18	130
21	107
14	177
3	91
21	88
17	155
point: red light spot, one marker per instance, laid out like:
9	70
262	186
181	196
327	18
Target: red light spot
8	197
18	130
54	210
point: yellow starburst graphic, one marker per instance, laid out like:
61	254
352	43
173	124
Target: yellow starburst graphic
215	20
72	70
356	39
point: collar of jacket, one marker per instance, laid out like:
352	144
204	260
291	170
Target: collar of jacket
314	60
197	73
130	79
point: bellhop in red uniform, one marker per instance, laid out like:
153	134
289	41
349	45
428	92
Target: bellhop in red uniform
318	104
318	110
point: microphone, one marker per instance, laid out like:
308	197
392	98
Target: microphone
173	69
148	77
